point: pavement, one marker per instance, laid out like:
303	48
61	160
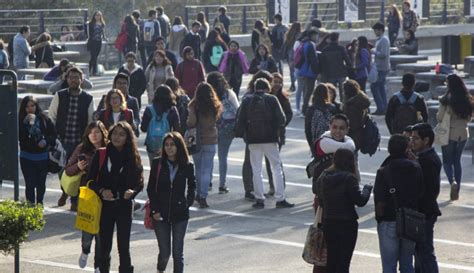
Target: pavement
231	236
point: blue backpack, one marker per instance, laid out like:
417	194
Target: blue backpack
370	137
157	129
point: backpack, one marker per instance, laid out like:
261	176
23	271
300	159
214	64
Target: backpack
320	122
298	55
57	157
259	121
225	125
370	137
157	129
148	30
216	55
405	114
121	40
3	58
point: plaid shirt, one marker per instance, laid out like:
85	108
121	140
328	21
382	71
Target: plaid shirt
72	134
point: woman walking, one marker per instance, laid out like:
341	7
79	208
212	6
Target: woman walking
95	33
36	135
457	102
171	191
182	102
115	110
362	61
117	182
214	49
177	34
226	123
132	31
157	72
44	51
204	30
94	138
263	61
338	191
137	78
260	35
394	21
204	111
290	39
234	65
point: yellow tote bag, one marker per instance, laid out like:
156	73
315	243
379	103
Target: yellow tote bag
70	184
88	210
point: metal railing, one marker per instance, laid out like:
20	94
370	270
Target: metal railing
243	15
50	20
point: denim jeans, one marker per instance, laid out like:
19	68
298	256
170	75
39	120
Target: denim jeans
308	87
299	92
223	145
452	158
270	150
378	91
86	243
425	258
95	47
394	250
115	213
34	173
204	163
164	231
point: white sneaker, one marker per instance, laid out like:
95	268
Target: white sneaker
83	260
97	270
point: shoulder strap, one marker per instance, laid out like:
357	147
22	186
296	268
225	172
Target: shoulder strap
400	97
128	115
412	98
102	155
158	170
153	112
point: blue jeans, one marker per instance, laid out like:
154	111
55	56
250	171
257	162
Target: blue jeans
394	250
204	163
86	243
299	92
34	173
425	258
452	158
163	232
223	145
378	91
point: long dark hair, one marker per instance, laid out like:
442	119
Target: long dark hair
22	112
363	43
102	21
164	97
130	143
267	52
201	18
292	34
130	20
321	95
260	74
108	98
215	38
182	155
344	161
162	53
281	91
173	83
87	146
457	97
206	100
218	82
351	89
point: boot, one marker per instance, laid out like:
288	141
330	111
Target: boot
126	269
62	200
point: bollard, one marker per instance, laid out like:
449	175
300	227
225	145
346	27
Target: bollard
244	20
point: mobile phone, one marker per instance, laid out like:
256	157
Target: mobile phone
82	157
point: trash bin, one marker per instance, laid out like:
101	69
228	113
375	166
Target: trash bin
450	46
465	49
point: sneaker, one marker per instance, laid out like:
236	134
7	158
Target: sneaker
270	193
454	195
73	207
83	260
62	200
284	204
203	203
249	196
223	190
259	204
300	115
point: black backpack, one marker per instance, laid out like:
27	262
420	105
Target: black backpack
259	119
370	137
405	113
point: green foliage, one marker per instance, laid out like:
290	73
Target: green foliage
16	221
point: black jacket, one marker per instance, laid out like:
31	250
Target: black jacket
394	102
29	143
118	173
431	167
138	81
338	192
207	53
271	65
194	41
407	178
170	199
276	119
356	109
47	57
335	61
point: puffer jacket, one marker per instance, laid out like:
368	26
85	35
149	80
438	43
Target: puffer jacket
356	109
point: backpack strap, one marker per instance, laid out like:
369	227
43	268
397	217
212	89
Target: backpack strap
403	100
158	171
102	155
412	98
128	115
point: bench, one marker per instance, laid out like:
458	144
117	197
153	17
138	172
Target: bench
35	86
404	59
43	100
393	84
37	73
83	66
433	79
413	68
70	55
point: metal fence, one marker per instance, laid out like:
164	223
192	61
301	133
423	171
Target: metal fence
50	20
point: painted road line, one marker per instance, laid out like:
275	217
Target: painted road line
61	265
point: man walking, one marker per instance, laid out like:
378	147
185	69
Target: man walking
260	120
422	142
382	62
277	36
193	39
151	31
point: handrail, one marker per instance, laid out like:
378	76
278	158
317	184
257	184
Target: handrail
216	6
41	10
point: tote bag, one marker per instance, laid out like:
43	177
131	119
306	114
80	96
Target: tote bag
70	184
442	129
88	210
315	248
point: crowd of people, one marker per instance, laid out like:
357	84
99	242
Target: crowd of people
195	109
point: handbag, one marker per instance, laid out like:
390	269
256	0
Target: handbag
315	248
89	210
410	224
372	77
148	218
70	184
442	129
192	138
43	64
